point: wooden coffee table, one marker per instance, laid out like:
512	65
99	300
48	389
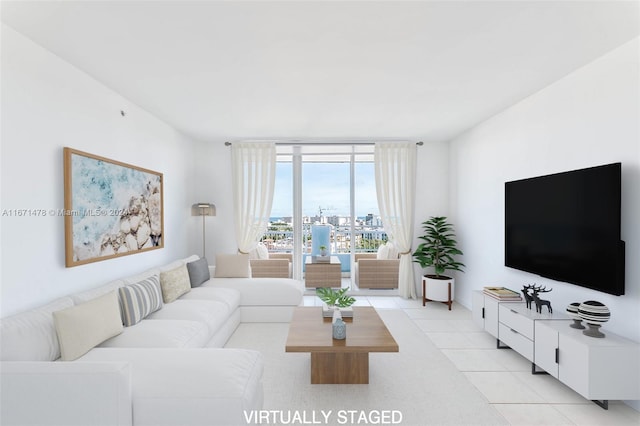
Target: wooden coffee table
339	361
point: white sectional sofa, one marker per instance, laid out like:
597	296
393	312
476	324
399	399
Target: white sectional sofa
167	369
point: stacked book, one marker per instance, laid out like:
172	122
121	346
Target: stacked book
503	294
328	312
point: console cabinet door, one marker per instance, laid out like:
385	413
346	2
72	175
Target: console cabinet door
606	368
484	311
574	365
477	308
491	316
546	351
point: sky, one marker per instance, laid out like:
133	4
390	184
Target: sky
325	185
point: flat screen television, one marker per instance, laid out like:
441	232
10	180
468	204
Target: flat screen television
566	227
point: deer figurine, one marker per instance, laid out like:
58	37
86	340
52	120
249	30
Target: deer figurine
539	302
527	297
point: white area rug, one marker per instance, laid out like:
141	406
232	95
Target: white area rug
420	381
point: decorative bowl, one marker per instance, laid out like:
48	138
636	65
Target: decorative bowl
572	311
594	314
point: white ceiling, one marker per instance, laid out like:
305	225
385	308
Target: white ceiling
424	70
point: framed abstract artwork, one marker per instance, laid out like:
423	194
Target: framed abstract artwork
111	208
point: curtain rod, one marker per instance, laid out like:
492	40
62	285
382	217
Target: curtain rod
227	143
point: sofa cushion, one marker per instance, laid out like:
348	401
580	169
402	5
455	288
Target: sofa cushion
173	265
191	258
229	296
84	326
139	300
161	334
262	291
92	293
211	313
174	283
198	272
31	335
215	386
142	276
232	266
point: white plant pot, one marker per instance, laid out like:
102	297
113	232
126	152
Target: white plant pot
438	290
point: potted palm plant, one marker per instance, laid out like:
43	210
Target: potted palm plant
335	300
438	250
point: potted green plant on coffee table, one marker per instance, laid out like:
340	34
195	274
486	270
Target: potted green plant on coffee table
438	250
335	301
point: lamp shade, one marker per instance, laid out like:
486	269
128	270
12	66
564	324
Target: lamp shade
203	209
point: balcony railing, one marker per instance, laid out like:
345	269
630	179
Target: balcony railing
365	240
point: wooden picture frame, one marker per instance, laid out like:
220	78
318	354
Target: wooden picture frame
111	209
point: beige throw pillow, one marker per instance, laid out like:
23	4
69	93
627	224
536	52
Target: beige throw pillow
232	266
174	283
82	327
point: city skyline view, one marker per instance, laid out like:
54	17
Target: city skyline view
326	186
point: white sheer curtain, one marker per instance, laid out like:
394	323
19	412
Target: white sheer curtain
395	167
253	180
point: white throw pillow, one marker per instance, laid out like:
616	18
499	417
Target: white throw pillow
263	252
232	266
82	327
259	252
393	251
174	283
383	252
253	254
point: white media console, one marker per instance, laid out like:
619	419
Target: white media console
598	369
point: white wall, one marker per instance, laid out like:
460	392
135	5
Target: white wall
48	104
588	118
213	165
432	193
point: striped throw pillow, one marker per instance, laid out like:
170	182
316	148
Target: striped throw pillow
139	300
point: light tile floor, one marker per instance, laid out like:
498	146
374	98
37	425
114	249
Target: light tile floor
501	375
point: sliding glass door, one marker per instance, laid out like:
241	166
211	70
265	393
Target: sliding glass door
329	185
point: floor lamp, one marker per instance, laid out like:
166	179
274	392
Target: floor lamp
203	209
